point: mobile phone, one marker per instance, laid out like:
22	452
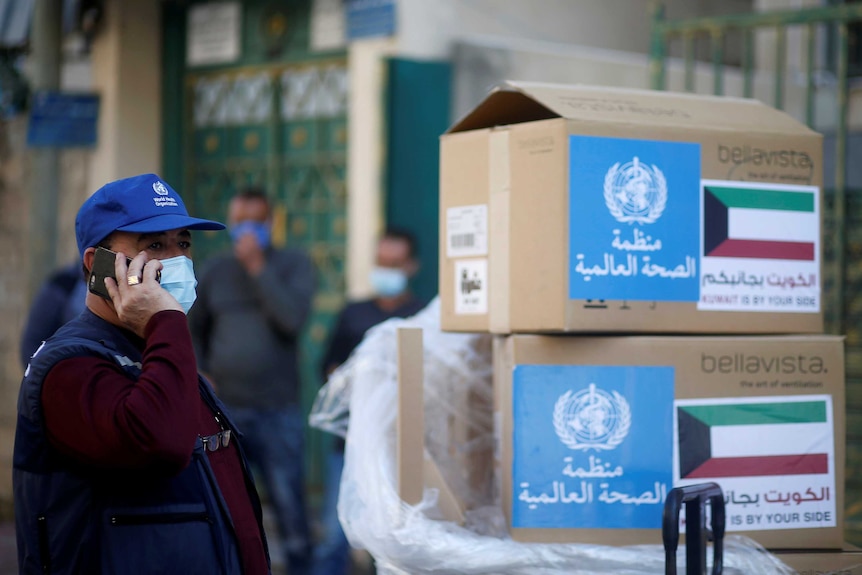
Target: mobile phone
103	267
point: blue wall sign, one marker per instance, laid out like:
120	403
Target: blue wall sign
592	446
634	207
370	18
63	120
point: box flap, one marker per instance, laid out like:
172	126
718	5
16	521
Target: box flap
503	107
516	102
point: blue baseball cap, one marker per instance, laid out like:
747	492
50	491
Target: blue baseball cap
144	204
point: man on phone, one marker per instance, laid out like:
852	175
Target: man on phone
124	459
253	303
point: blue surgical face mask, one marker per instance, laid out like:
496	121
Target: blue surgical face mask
260	230
388	282
178	277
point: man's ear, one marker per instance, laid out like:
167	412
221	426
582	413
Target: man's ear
89	255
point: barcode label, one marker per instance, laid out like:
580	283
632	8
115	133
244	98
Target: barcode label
463	240
467	231
471	286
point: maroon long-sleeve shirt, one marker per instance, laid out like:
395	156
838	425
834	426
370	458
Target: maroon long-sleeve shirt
97	414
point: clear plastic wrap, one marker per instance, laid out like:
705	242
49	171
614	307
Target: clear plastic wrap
407	539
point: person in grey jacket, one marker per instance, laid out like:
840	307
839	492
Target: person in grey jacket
251	307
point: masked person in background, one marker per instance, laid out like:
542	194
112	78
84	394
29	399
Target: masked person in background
124	459
396	262
252	304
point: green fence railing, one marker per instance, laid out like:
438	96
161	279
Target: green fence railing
831	22
827	47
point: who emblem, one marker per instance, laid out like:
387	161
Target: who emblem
592	419
635	192
160	189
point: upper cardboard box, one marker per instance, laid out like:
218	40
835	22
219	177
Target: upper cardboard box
518	102
588	209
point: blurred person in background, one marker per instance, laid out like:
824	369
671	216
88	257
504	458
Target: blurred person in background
253	302
396	262
59	301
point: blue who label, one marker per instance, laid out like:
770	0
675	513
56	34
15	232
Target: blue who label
592	446
634	207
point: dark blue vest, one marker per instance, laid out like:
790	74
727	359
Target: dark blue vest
77	519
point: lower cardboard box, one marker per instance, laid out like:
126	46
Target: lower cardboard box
594	432
847	561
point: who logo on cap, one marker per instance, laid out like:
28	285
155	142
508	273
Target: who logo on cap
143	203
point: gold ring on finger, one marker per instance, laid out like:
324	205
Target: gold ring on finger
134	280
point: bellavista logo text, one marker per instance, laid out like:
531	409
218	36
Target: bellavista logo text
538	142
763	157
745	363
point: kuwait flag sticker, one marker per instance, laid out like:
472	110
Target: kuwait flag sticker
760	247
759	223
772	456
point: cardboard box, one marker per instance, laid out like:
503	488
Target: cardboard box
445	443
844	562
594	431
582	209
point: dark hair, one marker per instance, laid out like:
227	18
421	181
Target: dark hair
404	235
253	193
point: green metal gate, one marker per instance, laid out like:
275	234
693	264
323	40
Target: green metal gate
829	27
277	118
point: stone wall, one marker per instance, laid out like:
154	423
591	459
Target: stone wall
13	288
14	292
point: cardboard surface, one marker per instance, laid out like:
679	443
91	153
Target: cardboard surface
410	446
844	562
416	468
615	210
465	169
594	431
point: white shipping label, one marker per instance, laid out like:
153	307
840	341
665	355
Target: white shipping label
471	286
467	231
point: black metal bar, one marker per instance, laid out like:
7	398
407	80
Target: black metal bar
695	498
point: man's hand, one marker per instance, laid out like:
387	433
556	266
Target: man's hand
249	253
138	295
